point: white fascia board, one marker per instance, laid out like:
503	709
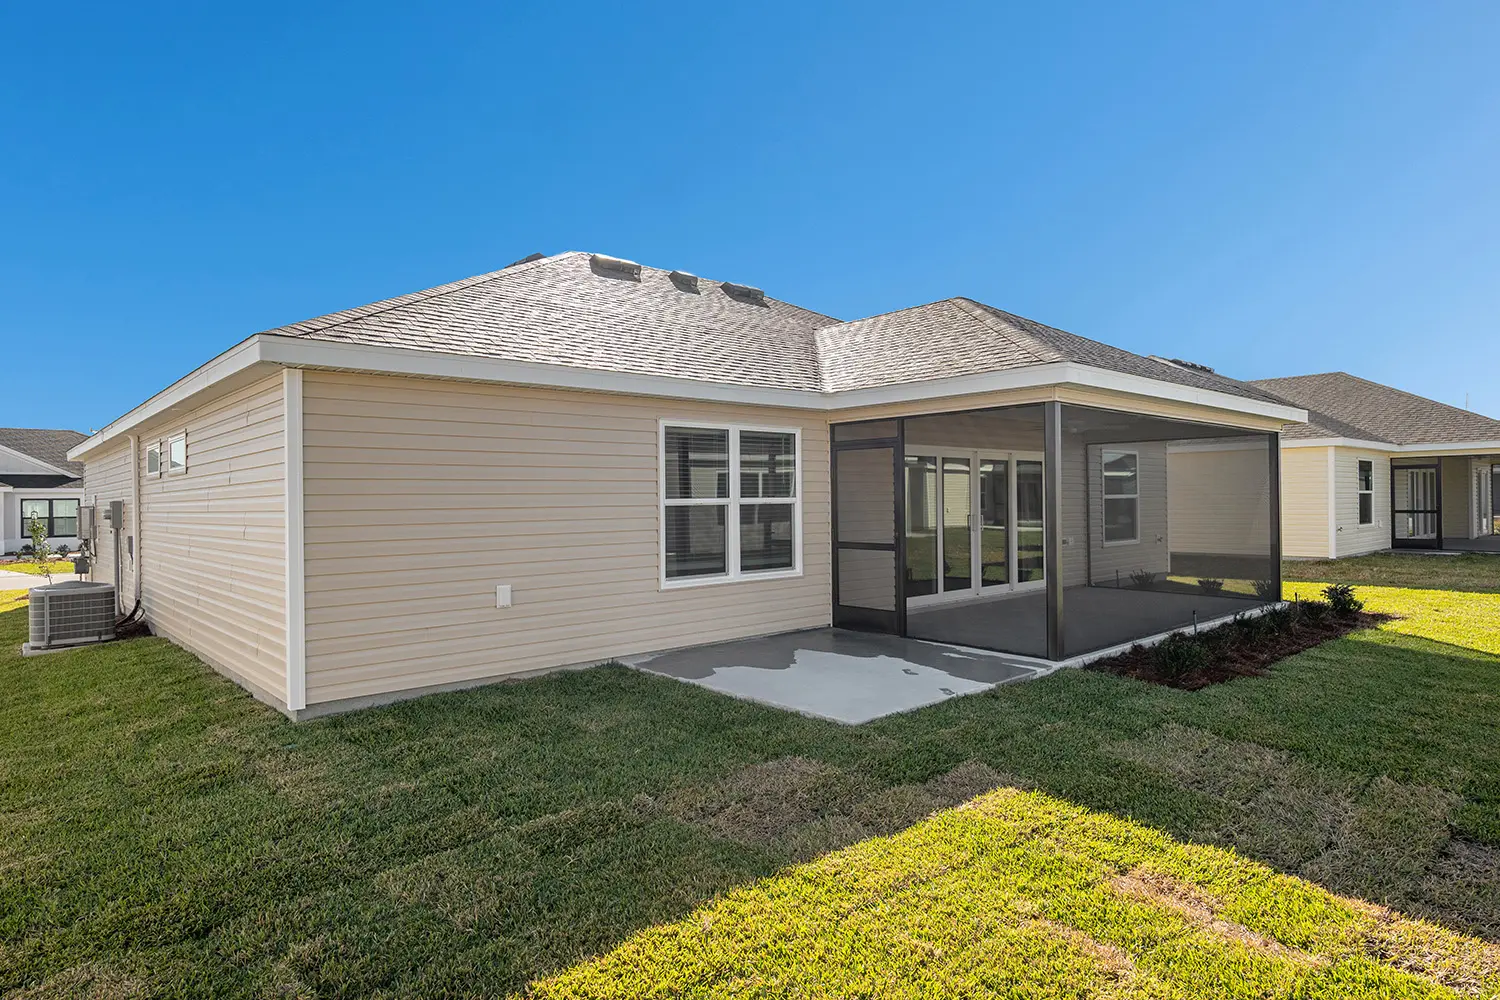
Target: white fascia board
1339	443
300	353
297	352
231	362
33	460
1460	448
1060	373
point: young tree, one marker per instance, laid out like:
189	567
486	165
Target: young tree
37	529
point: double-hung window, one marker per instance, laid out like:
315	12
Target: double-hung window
59	517
153	458
731	504
1122	497
1366	492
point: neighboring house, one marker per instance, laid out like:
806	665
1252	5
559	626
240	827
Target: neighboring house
576	458
38	480
1376	468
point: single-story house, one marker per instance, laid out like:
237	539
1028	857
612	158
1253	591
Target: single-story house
1376	468
37	480
576	458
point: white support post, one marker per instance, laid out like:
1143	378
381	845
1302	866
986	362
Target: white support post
296	603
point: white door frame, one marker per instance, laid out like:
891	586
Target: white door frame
976	589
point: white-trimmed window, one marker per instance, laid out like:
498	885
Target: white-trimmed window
1122	496
153	458
177	454
731	503
1366	492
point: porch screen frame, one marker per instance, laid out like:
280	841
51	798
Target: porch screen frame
871	619
1436	542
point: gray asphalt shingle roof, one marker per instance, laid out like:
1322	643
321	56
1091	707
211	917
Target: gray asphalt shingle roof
44	445
563	310
1343	405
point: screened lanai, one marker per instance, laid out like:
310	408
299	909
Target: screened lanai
1051	530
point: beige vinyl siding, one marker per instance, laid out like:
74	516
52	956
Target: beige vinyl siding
106	477
422	496
1304	503
213	540
1218	500
1115	562
1355	539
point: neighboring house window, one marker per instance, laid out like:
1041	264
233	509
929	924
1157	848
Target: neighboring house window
730	508
153	459
1366	492
60	517
177	454
1122	497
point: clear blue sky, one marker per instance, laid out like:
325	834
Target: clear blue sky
1269	189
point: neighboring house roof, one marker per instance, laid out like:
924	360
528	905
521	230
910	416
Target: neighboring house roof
1340	405
565	310
49	447
25	482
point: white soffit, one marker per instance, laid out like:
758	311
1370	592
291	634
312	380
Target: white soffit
270	350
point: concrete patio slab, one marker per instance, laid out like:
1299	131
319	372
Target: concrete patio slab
850	677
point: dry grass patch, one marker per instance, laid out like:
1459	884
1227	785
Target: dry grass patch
763	803
1198	908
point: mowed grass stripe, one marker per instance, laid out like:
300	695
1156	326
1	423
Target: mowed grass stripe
1019	893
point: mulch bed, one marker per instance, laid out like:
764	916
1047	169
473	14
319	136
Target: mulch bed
1229	660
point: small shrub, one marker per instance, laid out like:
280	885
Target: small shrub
1211	586
1142	578
1268	590
26	550
63	550
1177	656
1278	620
1313	612
1342	600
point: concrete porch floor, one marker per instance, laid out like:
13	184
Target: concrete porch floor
1485	543
849	677
1093	618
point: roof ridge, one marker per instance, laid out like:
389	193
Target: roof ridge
1023	338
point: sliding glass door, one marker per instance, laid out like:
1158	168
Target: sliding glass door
973	523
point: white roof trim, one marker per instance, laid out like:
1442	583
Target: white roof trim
1421	448
298	352
5	450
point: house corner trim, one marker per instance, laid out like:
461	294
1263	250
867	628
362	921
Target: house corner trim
296	601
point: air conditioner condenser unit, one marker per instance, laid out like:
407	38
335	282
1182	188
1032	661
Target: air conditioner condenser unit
70	614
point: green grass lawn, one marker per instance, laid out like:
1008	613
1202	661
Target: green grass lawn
162	834
1472	572
35	568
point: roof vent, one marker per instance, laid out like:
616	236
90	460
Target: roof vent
1179	363
684	281
524	260
744	293
615	267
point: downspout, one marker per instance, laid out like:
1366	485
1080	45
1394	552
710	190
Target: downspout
135	513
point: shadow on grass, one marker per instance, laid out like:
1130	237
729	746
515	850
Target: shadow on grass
156	819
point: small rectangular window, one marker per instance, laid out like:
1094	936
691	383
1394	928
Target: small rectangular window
1122	497
177	454
1366	492
153	458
